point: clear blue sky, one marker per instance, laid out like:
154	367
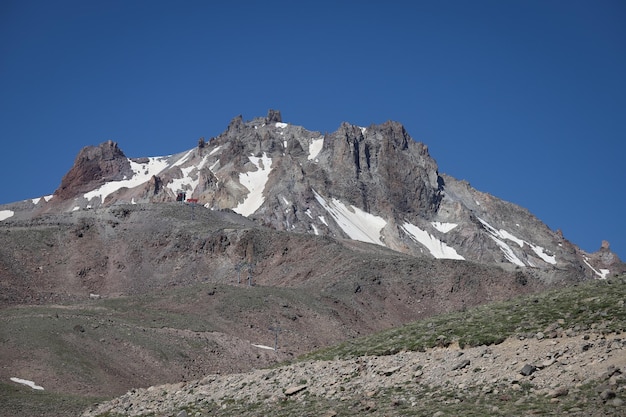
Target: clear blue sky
524	99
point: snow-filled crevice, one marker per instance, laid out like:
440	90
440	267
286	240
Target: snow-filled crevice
356	223
437	248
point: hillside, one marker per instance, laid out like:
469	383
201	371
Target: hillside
545	360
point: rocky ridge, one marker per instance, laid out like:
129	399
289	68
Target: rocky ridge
374	184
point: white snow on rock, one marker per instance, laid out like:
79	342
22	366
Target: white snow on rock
499	235
602	273
506	249
315	147
356	223
444	227
506	235
436	247
281	125
255	183
215	150
263	347
141	174
27	382
183	159
37	200
539	251
5	214
187	181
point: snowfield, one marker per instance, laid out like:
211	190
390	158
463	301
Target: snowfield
141	174
356	223
27	382
498	236
315	147
436	247
5	214
444	227
255	183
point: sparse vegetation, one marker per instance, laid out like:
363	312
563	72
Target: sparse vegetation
596	307
594	304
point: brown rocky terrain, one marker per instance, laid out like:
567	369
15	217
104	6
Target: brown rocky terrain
146	294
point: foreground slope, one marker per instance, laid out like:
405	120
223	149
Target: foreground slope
544	361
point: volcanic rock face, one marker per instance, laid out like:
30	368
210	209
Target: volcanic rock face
94	166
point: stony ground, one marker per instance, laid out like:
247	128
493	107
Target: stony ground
521	376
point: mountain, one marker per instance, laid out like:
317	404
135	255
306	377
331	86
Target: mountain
371	184
282	237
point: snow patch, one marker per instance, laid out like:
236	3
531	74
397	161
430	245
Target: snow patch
444	227
315	230
539	251
183	159
315	147
509	236
323	220
141	174
37	200
5	214
263	347
27	382
186	182
498	235
602	273
281	125
436	247
356	223
308	213
215	150
255	183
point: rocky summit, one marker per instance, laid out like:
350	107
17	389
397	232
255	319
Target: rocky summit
264	244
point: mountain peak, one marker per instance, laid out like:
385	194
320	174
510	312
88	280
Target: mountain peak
94	166
370	184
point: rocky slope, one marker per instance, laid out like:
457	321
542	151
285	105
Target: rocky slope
518	374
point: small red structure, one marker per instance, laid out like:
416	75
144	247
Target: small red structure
192	200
